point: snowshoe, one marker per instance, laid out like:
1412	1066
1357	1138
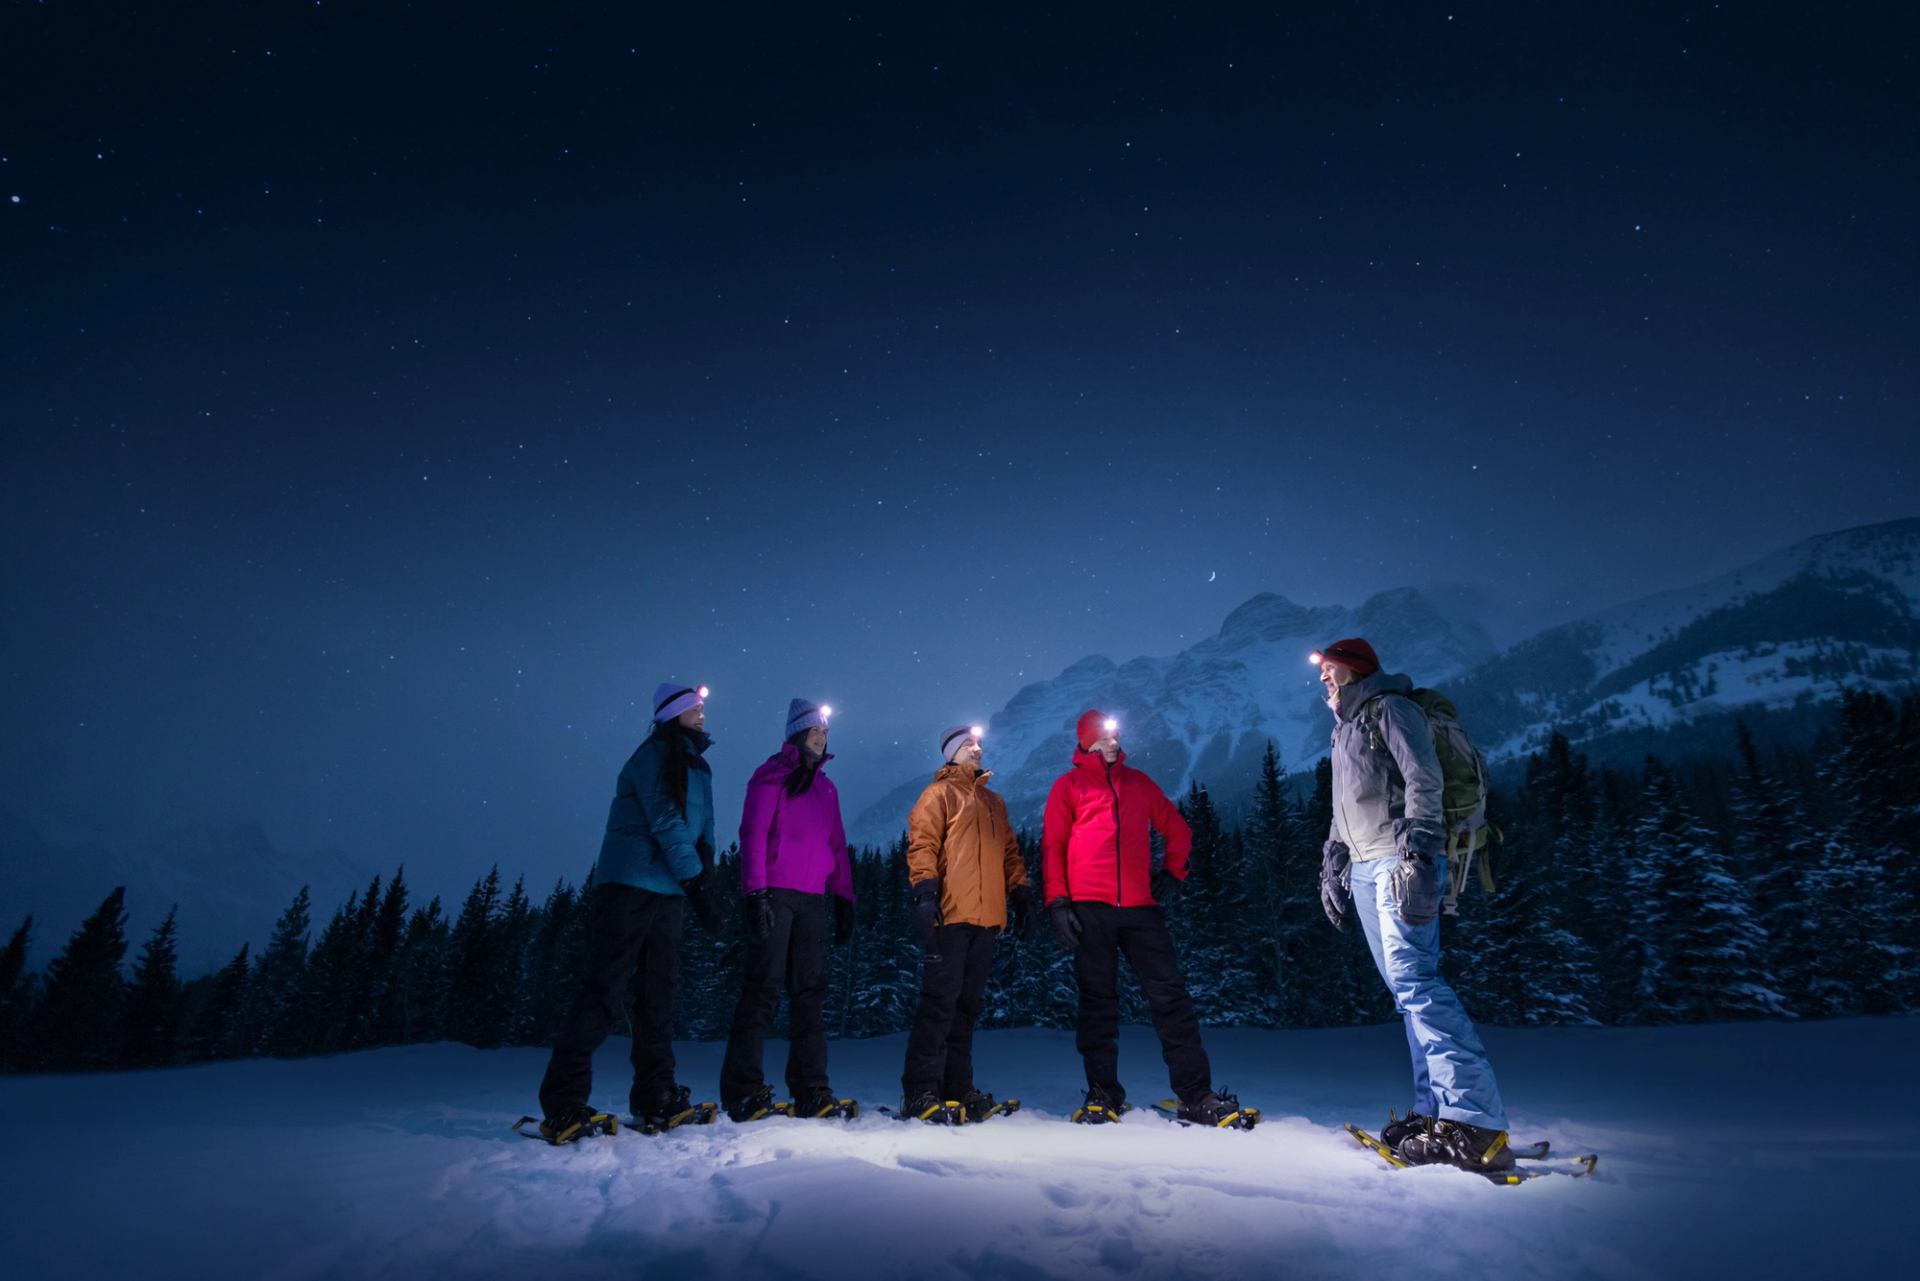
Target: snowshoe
1536	1153
977	1106
672	1110
757	1106
1471	1147
1219	1111
1400	1127
821	1103
570	1126
1101	1106
931	1108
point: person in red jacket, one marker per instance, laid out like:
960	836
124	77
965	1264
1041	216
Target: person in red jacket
1104	897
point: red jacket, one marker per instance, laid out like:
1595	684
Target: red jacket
1094	845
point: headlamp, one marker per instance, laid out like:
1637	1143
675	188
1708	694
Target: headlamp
1316	658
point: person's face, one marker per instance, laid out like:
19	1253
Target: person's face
1332	677
817	740
1108	745
694	717
970	753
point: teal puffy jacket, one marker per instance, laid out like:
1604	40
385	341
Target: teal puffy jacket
650	844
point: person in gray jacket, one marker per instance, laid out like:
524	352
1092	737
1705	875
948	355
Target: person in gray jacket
1385	857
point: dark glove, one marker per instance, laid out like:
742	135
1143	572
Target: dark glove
1021	918
1413	888
1065	923
926	908
759	911
700	903
1336	882
705	851
1163	885
842	920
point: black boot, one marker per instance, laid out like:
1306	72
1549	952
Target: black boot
1221	1111
671	1107
1471	1147
1398	1128
978	1105
931	1108
819	1101
1102	1104
756	1106
570	1125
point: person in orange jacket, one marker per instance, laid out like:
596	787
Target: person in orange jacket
1104	897
967	877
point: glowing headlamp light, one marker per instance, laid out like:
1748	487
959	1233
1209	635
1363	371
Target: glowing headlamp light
702	691
976	731
1111	725
1316	658
825	711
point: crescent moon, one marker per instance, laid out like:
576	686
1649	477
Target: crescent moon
1213	574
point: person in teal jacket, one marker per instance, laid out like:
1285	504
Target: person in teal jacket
656	856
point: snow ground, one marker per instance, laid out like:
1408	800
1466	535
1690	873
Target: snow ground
1749	1150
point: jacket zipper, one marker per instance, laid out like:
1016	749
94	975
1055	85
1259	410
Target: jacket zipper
1119	889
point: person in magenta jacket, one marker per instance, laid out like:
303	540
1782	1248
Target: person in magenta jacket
793	862
1105	898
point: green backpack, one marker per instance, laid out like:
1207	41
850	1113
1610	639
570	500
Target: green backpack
1463	792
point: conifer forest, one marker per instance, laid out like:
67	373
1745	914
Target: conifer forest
1771	884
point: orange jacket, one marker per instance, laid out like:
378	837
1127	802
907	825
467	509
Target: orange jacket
959	832
1095	846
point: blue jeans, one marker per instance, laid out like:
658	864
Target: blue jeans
1451	1076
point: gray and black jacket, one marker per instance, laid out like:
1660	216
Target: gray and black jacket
1386	776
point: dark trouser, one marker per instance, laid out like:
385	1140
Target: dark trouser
796	951
1141	933
940	1046
633	939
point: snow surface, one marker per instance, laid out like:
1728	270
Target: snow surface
1743	1150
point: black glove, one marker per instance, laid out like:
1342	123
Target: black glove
1021	918
705	851
1336	885
1163	885
758	907
842	920
1065	924
926	908
1413	888
700	903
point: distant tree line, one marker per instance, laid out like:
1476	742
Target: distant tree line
1780	885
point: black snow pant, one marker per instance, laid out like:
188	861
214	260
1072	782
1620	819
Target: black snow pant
1141	933
794	954
940	1046
633	941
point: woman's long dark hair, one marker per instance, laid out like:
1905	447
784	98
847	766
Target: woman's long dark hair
800	777
673	771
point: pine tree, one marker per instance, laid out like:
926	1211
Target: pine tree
378	1020
329	983
1775	852
270	1018
213	1033
420	986
78	1020
152	1030
476	960
16	998
1868	880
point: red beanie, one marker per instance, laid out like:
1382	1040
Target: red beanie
1354	654
1091	729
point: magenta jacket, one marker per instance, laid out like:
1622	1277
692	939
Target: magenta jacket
793	842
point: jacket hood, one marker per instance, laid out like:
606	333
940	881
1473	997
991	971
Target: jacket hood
698	740
1083	759
789	755
1358	694
969	775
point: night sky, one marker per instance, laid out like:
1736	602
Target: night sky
392	396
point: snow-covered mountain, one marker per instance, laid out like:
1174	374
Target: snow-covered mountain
1836	611
1207	712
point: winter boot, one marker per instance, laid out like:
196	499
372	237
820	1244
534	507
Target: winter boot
1399	1127
931	1108
576	1123
670	1108
1471	1147
1102	1104
1221	1111
819	1101
978	1105
756	1106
